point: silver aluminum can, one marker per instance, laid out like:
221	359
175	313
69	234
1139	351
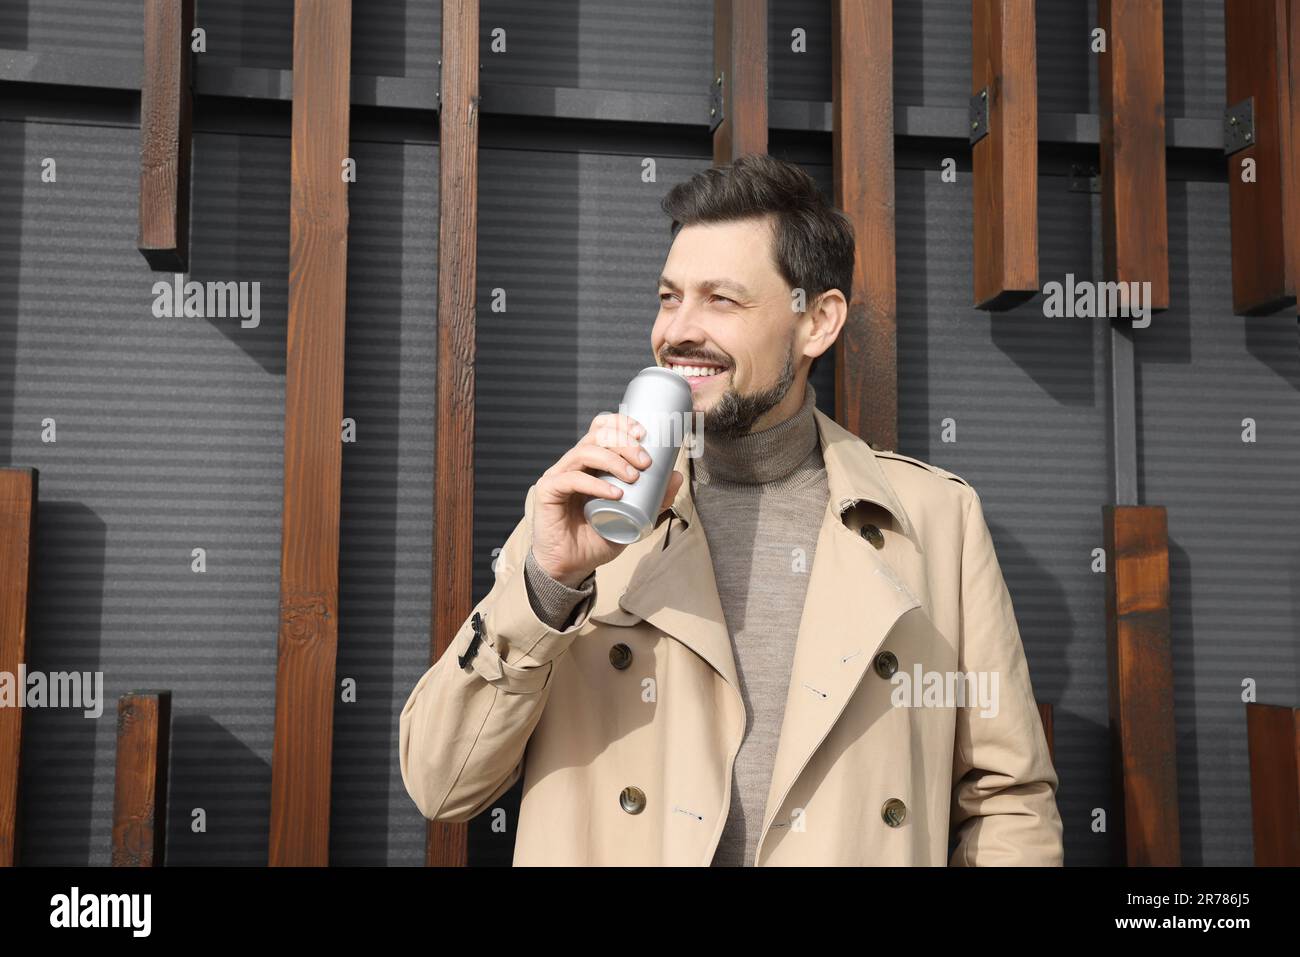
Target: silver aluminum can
660	400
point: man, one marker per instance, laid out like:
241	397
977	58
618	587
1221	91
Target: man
812	659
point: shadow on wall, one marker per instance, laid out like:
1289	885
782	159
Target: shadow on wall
239	232
391	306
64	632
212	774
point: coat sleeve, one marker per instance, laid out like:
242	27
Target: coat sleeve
463	730
1004	785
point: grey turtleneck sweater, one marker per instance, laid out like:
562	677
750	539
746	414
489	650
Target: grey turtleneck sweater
760	498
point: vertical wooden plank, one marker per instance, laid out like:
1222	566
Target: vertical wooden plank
1289	78
1265	213
740	58
166	106
862	141
1131	77
18	496
1045	715
1273	736
140	782
1141	685
1004	162
453	508
309	551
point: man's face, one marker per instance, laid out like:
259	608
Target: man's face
725	310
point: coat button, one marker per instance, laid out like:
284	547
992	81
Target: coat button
632	800
886	664
894	812
620	656
873	534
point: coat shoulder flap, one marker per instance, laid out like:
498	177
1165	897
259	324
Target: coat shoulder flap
900	457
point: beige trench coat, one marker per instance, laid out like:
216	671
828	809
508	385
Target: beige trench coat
632	765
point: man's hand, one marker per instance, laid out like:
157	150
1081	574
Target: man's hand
564	543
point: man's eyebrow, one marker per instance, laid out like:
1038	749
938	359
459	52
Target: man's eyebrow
708	285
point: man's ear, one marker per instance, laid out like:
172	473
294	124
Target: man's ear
826	317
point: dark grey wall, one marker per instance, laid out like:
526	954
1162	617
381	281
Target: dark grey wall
170	429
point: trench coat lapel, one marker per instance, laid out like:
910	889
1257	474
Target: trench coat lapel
673	586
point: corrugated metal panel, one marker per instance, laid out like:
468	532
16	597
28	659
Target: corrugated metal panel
598	44
932	53
1067	67
170	438
793	74
1234	516
1195	64
389	37
100	28
252	33
662	47
932	56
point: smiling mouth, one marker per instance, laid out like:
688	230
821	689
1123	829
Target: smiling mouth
693	372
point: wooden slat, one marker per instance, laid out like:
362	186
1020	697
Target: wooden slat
18	497
1291	148
1141	685
166	105
1131	77
140	782
862	140
309	554
453	483
1273	735
1005	162
1266	213
740	55
1045	714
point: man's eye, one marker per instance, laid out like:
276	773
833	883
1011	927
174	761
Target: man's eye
664	296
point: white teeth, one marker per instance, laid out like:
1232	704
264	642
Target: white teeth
695	371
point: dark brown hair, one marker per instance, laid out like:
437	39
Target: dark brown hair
812	240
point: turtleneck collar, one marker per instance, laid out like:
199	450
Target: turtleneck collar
770	455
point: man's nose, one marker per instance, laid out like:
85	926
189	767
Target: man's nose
685	326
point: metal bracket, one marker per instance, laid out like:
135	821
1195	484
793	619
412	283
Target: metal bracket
979	116
1239	126
716	100
437	90
1084	178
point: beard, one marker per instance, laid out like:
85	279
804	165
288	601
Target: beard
734	414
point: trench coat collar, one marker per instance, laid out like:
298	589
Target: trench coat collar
852	474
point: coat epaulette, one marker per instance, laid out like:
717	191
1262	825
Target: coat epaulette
890	454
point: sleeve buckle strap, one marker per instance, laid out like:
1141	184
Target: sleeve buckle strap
472	650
